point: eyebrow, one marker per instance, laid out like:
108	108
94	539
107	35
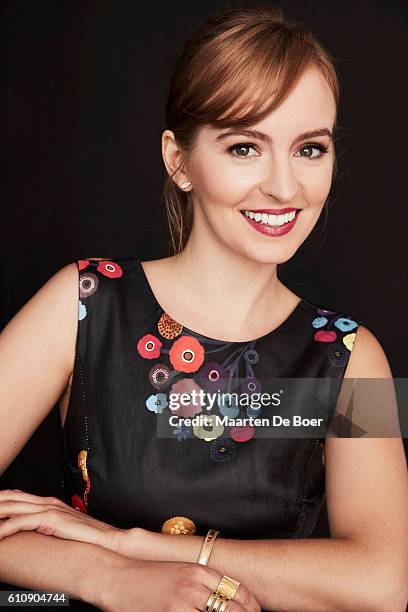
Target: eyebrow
265	138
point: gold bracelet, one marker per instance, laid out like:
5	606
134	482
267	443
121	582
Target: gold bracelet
207	546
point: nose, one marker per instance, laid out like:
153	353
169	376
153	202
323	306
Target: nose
280	181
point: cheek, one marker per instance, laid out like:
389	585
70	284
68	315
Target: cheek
316	186
221	182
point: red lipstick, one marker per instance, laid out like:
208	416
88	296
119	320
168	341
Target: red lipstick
269	230
272	211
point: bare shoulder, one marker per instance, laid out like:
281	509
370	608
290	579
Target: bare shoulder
37	351
53	302
367	358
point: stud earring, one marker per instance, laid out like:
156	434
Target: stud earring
185	185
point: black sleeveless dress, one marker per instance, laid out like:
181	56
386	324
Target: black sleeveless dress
125	464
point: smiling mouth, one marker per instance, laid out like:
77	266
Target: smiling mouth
272	220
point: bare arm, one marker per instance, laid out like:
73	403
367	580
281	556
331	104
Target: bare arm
37	349
299	575
40	562
37	352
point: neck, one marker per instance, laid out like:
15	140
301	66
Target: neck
229	289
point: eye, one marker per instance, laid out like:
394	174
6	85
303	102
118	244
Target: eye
239	147
314	146
236	149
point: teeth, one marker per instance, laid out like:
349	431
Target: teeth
273	220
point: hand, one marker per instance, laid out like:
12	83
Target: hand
22	511
168	586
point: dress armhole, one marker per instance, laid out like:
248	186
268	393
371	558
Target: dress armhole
341	424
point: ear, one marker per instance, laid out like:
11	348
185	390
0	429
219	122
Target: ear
173	158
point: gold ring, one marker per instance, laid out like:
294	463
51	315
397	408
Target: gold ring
224	604
225	591
228	586
217	602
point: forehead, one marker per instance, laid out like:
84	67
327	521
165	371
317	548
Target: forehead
308	106
309	101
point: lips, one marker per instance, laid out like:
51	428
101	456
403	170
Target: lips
271	211
272	230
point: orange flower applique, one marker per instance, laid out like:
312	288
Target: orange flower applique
186	354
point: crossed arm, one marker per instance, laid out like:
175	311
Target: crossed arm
364	566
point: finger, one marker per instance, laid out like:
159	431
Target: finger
211	578
232	605
11	508
17	494
26	522
197	595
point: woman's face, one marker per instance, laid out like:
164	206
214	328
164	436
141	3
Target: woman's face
283	169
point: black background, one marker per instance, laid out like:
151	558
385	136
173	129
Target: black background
83	102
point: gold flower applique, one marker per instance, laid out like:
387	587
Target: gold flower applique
177	525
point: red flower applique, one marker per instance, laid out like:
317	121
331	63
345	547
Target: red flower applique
242	434
110	269
149	346
82	263
325	336
78	504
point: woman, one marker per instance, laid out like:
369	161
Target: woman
249	149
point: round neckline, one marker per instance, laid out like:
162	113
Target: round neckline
268	334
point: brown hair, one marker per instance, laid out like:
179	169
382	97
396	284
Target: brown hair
239	59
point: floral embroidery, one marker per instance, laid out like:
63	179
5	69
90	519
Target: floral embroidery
183	388
255	413
345	324
159	376
76	501
319	322
223	449
213	429
349	341
157	403
168	327
82	263
251	385
82	464
213	376
337	352
186	354
182	432
78	504
325	336
251	356
88	284
110	269
242	434
89	281
228	406
82	458
179	525
81	311
149	346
